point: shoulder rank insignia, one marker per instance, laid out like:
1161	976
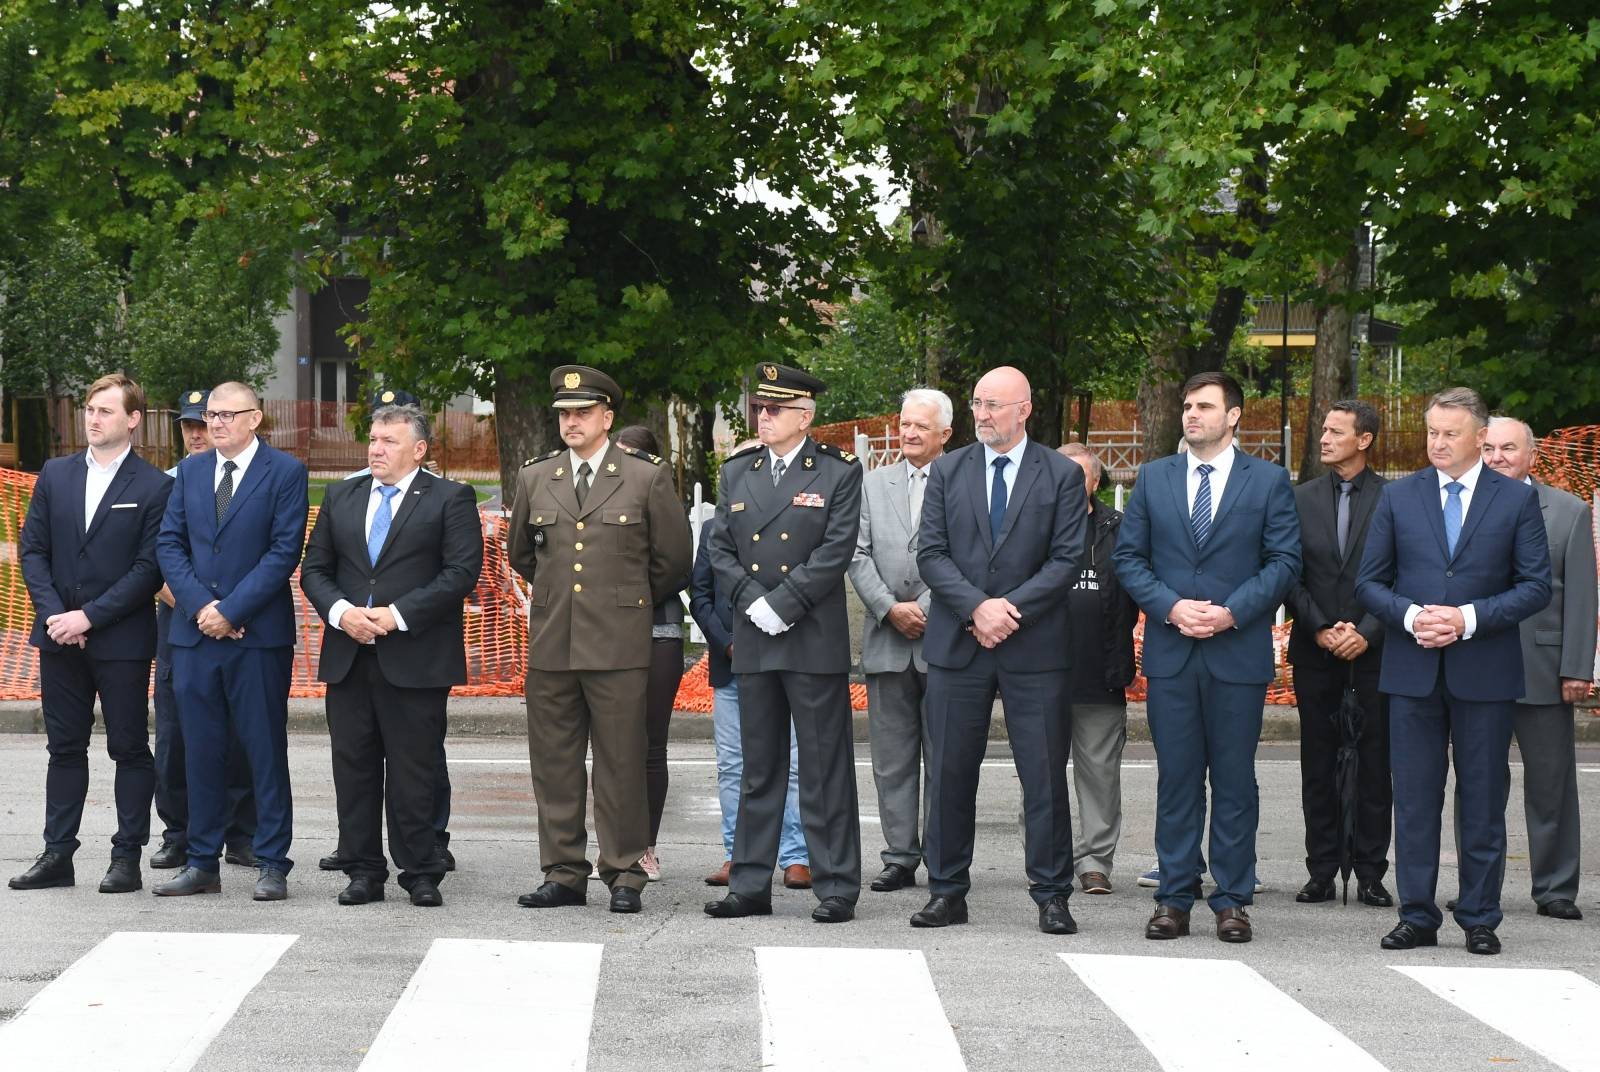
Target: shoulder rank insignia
838	452
751	449
543	457
653	459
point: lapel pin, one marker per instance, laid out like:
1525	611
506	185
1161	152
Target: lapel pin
611	467
560	471
808	461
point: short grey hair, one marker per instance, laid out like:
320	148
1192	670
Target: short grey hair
407	414
1085	457
1461	398
930	396
1527	429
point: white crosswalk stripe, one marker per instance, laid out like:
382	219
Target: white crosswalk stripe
864	1018
1554	1013
476	1004
1160	1006
113	993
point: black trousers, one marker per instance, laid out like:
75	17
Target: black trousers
69	681
386	742
666	671
1319	686
172	784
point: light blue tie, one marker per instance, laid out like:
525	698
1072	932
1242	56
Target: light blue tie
380	525
1452	514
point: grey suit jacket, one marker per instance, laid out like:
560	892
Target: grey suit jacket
884	570
1559	641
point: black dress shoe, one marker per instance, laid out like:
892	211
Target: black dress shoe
894	877
1450	905
737	906
553	895
941	912
625	900
122	876
448	857
1409	936
240	856
51	869
170	854
1482	940
1316	891
273	885
1374	895
363	889
833	910
1560	909
188	881
1054	917
334	861
425	893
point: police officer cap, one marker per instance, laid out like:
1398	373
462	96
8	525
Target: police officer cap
579	386
192	406
389	396
781	383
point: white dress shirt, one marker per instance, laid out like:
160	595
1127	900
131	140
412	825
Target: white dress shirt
242	462
594	464
1221	466
98	480
1008	474
1469	483
374	498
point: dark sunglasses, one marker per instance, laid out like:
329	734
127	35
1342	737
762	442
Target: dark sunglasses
771	409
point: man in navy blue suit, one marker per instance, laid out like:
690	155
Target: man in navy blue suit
234	529
1210	545
1002	531
1456	557
89	561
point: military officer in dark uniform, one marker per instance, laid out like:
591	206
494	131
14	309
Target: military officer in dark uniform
785	532
600	536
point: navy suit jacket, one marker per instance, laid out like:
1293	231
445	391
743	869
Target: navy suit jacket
1034	563
1249	562
108	571
1501	566
711	611
245	562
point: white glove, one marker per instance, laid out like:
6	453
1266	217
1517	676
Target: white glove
765	618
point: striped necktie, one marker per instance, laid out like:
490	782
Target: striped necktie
1200	516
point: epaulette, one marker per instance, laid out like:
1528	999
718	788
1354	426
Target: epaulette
751	449
838	452
543	458
653	459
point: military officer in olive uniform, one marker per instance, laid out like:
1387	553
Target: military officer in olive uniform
600	536
785	532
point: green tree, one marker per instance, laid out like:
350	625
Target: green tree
872	356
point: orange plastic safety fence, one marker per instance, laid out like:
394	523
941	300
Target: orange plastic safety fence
695	692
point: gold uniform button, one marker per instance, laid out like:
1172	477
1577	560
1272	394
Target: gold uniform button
784	568
756	537
577	567
622	519
578	546
641	602
580	526
755	567
577	588
783	535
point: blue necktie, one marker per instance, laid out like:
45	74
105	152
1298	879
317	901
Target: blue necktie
380	525
1452	514
997	498
1200	516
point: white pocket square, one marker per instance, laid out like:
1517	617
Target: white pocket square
124	506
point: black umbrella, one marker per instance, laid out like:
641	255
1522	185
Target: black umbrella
1348	719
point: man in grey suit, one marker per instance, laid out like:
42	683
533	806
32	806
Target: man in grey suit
885	576
1558	649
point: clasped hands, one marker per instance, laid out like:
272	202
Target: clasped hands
993	620
1342	641
765	618
908	620
1438	626
1199	618
68	628
211	623
365	625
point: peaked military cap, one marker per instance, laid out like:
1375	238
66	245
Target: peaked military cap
192	406
579	386
781	383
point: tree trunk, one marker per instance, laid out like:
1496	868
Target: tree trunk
1160	406
524	428
1330	359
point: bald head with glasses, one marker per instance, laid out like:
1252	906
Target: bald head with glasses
1001	404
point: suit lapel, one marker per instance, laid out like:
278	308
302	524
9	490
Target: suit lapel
355	513
78	487
1428	492
1027	474
799	476
1177	481
562	487
1362	504
1482	498
119	484
254	476
977	472
1243	470
602	485
759	486
421	485
898	480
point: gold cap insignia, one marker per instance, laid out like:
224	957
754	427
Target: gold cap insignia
195	396
770	372
572	380
386	397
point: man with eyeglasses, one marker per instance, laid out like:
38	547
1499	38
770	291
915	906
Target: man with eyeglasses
1002	532
788	512
231	539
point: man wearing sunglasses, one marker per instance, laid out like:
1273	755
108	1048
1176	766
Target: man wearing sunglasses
788	512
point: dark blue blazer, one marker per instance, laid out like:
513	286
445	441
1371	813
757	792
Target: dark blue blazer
1034	563
247	561
108	571
1501	566
711	611
1248	564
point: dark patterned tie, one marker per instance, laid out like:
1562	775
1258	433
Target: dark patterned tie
997	498
582	484
1200	517
225	490
777	471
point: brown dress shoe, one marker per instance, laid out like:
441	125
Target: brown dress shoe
1094	882
797	877
1168	922
719	877
1233	925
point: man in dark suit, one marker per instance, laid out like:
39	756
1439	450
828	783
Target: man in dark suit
388	564
787	516
1456	557
1210	545
89	560
1335	646
1002	533
232	536
1558	650
600	536
172	787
